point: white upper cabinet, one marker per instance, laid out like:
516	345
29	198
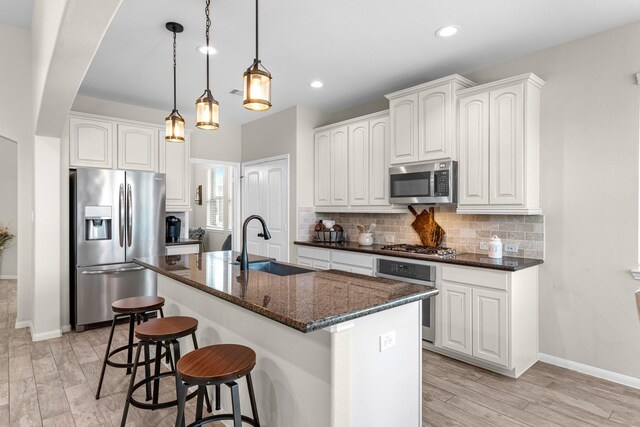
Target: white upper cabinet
90	143
359	163
352	166
423	120
404	129
499	164
379	161
339	156
322	182
175	162
137	148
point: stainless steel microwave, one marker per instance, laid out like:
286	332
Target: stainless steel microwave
424	183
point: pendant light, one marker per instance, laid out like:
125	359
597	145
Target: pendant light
207	108
174	122
257	82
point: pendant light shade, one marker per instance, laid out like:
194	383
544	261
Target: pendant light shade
257	82
207	108
174	122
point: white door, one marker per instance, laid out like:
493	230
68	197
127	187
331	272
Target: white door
137	148
404	129
473	166
379	162
490	326
434	134
456	318
266	193
322	169
91	143
339	154
359	163
506	145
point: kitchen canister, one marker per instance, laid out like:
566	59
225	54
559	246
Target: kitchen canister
365	239
495	247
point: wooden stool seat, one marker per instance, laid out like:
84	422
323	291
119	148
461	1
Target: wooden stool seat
137	304
166	328
216	363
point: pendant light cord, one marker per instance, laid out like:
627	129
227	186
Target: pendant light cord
206	12
174	70
257	31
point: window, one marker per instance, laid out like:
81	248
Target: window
220	198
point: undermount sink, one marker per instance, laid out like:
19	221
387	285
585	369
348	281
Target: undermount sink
277	268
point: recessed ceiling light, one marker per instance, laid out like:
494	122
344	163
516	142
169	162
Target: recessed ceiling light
204	50
316	84
447	31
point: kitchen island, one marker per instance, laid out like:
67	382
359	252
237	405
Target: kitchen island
319	337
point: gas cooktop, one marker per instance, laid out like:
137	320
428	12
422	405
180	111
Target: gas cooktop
422	250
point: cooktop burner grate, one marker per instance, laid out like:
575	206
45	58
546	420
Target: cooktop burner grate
419	249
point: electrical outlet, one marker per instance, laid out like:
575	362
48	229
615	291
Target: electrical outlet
390	238
511	247
484	245
387	340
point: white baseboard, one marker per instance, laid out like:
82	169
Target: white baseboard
65	328
591	370
46	335
8	277
23	324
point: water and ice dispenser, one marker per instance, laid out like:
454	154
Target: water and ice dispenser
97	224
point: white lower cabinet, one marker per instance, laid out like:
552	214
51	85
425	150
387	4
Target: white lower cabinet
489	317
325	259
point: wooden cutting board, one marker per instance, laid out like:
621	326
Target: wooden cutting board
430	232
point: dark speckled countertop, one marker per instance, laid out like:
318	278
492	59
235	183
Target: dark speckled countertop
305	302
507	263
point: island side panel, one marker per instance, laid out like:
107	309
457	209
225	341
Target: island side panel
293	370
386	386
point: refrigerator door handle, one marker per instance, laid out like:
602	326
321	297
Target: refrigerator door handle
121	211
117	270
129	215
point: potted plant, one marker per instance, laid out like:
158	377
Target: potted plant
5	238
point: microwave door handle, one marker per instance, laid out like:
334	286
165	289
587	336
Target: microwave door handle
121	204
432	184
129	215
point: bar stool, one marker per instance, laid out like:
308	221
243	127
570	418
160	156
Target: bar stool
216	365
161	332
137	309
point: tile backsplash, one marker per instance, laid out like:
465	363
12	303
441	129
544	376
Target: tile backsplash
464	232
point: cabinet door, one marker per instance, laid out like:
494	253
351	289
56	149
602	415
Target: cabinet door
359	163
137	148
339	154
404	129
307	262
91	143
175	160
490	326
506	145
456	318
434	112
379	162
322	187
473	160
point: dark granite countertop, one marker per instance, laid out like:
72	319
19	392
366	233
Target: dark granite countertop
183	242
305	302
470	260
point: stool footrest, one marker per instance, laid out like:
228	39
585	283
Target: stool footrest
160	405
124	365
223	417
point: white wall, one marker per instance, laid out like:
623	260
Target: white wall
589	194
8	205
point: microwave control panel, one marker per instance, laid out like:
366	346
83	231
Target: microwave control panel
441	183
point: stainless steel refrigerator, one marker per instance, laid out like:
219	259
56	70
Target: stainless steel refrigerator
116	216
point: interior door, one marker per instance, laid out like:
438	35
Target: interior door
266	193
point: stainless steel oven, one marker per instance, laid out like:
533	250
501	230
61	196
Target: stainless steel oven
424	183
420	274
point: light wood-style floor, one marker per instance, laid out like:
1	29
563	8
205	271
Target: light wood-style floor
52	383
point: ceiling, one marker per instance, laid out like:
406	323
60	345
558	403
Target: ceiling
359	49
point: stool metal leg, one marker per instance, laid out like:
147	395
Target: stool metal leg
156	382
201	392
147	368
106	356
235	400
131	383
181	390
206	393
252	398
130	350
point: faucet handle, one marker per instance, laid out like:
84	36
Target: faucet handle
260	234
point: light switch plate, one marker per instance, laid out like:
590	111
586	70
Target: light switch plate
511	247
484	245
390	238
387	340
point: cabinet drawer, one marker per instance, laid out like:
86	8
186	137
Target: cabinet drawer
319	254
476	277
350	258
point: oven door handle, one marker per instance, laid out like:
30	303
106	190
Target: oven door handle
405	279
